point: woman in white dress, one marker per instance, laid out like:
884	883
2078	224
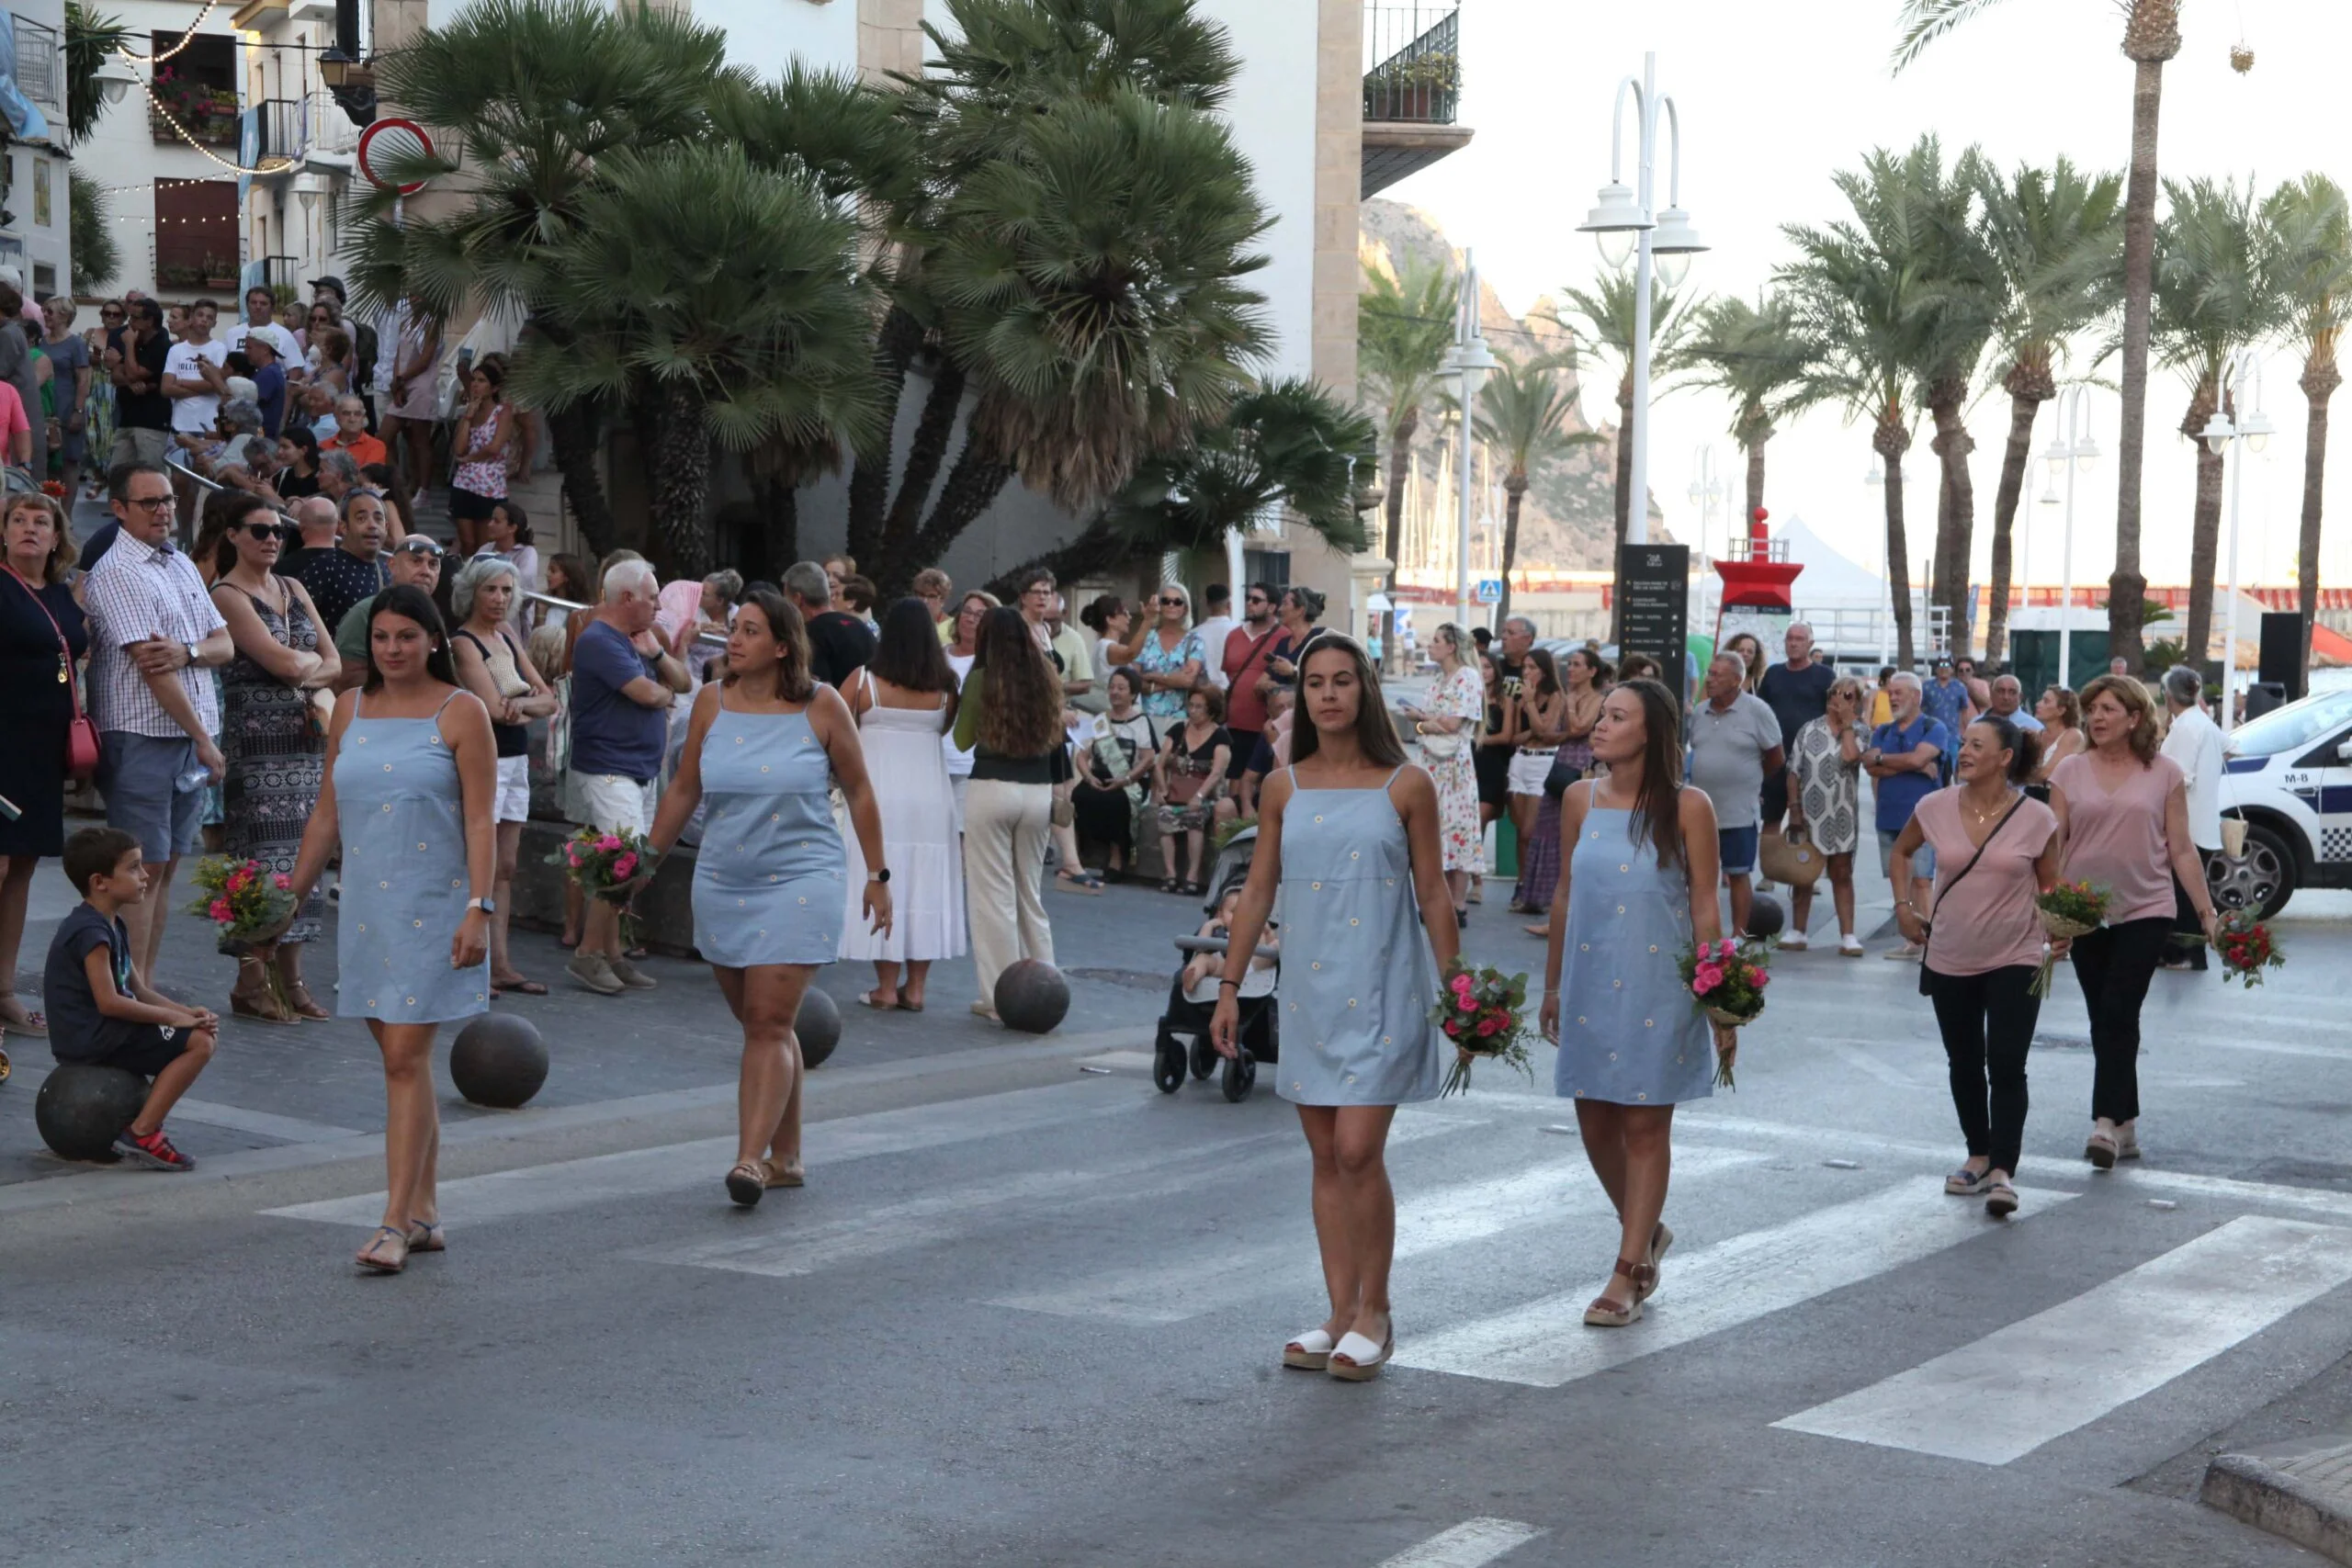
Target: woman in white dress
905	700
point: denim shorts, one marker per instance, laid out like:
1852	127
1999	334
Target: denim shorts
139	777
1923	861
1738	848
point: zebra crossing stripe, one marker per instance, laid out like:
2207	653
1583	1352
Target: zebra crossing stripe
1470	1544
1427	1222
2017	1388
1544	1343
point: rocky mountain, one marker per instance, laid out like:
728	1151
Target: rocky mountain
1565	523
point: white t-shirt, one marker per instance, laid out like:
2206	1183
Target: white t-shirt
1214	631
288	351
959	761
195	415
2195	742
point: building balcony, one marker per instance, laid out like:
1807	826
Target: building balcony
1412	88
40	72
209	117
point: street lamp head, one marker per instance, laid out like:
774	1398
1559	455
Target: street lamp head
1614	222
114	78
2086	455
2217	432
2257	430
1674	244
1877	475
2049	493
2054	460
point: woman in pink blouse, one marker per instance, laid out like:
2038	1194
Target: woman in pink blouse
1996	849
2124	809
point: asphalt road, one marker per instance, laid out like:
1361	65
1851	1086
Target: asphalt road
1029	1313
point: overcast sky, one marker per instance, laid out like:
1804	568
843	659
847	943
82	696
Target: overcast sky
1775	97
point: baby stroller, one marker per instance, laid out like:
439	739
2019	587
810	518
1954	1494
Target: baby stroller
1189	1015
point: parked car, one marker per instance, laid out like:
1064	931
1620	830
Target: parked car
2288	775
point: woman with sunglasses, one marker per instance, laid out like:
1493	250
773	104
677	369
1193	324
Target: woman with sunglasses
274	741
1169	657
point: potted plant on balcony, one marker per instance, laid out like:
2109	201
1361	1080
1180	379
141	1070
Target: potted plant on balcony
219	272
1420	88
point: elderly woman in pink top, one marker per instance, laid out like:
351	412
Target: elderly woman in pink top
1995	848
2124	809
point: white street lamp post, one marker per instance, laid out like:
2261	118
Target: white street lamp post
1469	361
1706	490
2252	431
1628	220
2071	448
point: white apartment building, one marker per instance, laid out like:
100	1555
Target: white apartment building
300	136
35	226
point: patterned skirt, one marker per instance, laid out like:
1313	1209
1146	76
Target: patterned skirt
275	771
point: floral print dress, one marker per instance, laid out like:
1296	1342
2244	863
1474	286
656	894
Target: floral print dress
1458	695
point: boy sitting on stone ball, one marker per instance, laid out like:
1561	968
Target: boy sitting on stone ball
101	1010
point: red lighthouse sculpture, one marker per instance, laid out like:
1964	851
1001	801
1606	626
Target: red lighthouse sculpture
1754	579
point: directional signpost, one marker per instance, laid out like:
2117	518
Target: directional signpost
1653	590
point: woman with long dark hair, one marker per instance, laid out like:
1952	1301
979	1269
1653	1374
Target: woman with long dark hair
904	700
771	881
1582	679
478	449
1981	942
1349	836
411	771
1010	719
1638	885
2123	807
1535	719
297	464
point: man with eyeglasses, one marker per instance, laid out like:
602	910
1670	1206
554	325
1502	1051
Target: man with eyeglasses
935	587
154	636
142	420
1241	661
416	561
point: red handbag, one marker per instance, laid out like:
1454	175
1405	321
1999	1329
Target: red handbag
81	735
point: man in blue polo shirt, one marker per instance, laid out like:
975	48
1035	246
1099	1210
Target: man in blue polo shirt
1905	762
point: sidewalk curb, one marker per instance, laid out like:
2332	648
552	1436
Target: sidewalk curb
2301	1491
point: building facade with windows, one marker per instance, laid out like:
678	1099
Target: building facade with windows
36	227
300	137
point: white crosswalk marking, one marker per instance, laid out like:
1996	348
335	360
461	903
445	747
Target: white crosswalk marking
1469	1544
2026	1383
1428	1222
1545	1344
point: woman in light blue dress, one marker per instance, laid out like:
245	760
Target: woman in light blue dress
1637	884
1350	836
411	774
763	749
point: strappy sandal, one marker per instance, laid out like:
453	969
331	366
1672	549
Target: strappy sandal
305	1006
747	1181
1606	1312
20	1019
370	1259
868	998
264	1006
2001	1201
1309	1352
1355	1358
774	1175
1661	1238
519	986
1966	1183
427	1236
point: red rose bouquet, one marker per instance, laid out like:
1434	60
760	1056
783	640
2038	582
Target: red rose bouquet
1726	980
1483	1012
2246	947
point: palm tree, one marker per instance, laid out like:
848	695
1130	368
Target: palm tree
89	39
2216	293
1288	447
2055	236
719	298
1403	327
1864	297
1603	324
1526	411
2151	37
1759	356
2313	227
97	258
1963	297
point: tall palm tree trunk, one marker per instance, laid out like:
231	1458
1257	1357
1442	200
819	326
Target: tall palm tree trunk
2205	528
869	479
681	479
925	453
1514	487
2321	379
2017	460
1624	500
1956	508
1400	461
2151	38
1754	484
1890	441
575	435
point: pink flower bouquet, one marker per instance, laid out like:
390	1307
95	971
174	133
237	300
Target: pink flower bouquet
1483	1012
1727	979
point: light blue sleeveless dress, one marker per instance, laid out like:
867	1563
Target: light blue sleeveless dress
401	812
1629	1034
1358	977
771	881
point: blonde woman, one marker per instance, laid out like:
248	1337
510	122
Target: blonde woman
1824	773
1448	731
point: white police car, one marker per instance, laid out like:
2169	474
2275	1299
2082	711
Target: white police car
2290	776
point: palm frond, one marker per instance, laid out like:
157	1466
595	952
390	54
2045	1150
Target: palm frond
1922	22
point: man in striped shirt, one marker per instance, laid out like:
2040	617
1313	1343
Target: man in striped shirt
155	640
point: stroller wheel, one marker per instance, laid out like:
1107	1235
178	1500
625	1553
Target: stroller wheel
1203	1056
1168	1062
1240	1073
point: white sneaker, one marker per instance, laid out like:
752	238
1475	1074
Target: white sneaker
1849	946
1795	943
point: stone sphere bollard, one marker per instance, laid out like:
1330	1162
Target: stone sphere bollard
818	1027
498	1060
82	1106
1764	917
1032	997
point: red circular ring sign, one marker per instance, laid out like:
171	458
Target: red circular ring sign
392	141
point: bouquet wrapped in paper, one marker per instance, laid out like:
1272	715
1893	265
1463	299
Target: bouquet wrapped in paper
245	898
606	865
1726	981
2246	947
1483	1014
2068	910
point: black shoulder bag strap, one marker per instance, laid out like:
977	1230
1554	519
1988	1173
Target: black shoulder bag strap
1929	936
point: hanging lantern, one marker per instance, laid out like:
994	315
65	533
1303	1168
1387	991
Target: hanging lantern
2241	59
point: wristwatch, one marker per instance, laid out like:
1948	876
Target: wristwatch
486	906
194	654
882	875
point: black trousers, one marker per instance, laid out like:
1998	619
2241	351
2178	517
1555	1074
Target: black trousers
2115	964
2187	931
1987	1022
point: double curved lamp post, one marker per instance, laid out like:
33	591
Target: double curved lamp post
2252	432
1626	222
1468	361
2071	452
